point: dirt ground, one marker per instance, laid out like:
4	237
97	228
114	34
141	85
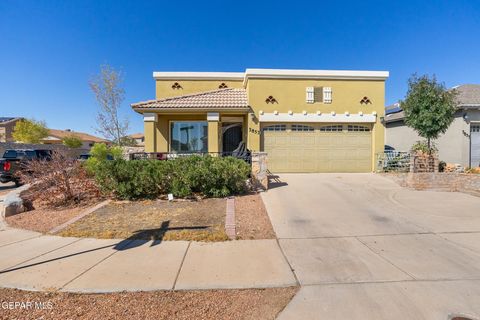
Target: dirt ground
252	221
245	304
201	220
44	219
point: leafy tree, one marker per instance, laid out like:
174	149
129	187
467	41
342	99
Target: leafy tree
72	141
30	131
101	152
429	107
107	87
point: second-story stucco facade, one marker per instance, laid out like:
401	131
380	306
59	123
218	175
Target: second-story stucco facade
306	120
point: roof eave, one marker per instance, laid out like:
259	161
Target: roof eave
196	109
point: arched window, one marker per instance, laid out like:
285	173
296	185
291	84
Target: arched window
301	127
276	127
354	127
332	128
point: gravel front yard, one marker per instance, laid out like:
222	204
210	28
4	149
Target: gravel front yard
252	221
208	304
44	220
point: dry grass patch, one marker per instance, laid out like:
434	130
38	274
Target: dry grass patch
261	304
201	220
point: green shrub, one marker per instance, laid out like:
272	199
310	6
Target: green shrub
422	147
184	176
101	152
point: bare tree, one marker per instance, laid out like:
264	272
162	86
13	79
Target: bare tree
57	181
107	87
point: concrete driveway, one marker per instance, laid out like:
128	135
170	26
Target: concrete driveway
363	247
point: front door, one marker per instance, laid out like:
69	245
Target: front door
232	136
475	145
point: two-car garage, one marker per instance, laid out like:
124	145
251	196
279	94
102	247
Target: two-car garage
318	147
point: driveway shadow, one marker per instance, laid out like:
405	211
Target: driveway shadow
274	181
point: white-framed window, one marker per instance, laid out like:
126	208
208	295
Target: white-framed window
319	94
475	128
276	127
188	136
354	127
301	127
310	95
327	95
332	128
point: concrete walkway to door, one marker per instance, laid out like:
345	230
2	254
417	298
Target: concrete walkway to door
364	248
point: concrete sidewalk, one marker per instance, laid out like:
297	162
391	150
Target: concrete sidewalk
32	261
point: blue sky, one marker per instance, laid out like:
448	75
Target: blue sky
49	49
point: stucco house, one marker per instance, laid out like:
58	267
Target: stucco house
306	120
459	145
56	137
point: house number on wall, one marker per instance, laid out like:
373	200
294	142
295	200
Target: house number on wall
253	131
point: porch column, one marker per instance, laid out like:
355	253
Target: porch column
149	124
213	131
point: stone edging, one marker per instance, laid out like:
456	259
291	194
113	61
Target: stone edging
230	219
80	216
13	203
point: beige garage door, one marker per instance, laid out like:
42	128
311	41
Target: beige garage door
318	147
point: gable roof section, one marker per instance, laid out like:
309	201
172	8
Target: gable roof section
468	97
229	98
60	134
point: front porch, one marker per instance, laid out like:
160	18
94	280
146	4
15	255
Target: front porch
206	132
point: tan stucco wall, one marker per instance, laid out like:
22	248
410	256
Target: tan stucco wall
163	88
291	95
453	146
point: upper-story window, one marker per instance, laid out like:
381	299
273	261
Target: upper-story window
319	94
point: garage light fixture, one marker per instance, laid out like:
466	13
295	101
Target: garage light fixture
304	112
347	113
290	112
319	113
333	113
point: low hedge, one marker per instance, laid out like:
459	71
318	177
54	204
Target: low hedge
183	177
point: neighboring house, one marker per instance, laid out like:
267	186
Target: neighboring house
460	144
57	136
306	120
139	138
7	124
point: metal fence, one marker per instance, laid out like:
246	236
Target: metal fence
174	155
393	161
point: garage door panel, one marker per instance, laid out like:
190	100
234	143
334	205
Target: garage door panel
318	151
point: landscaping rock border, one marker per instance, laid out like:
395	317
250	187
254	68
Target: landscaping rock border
13	203
84	213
